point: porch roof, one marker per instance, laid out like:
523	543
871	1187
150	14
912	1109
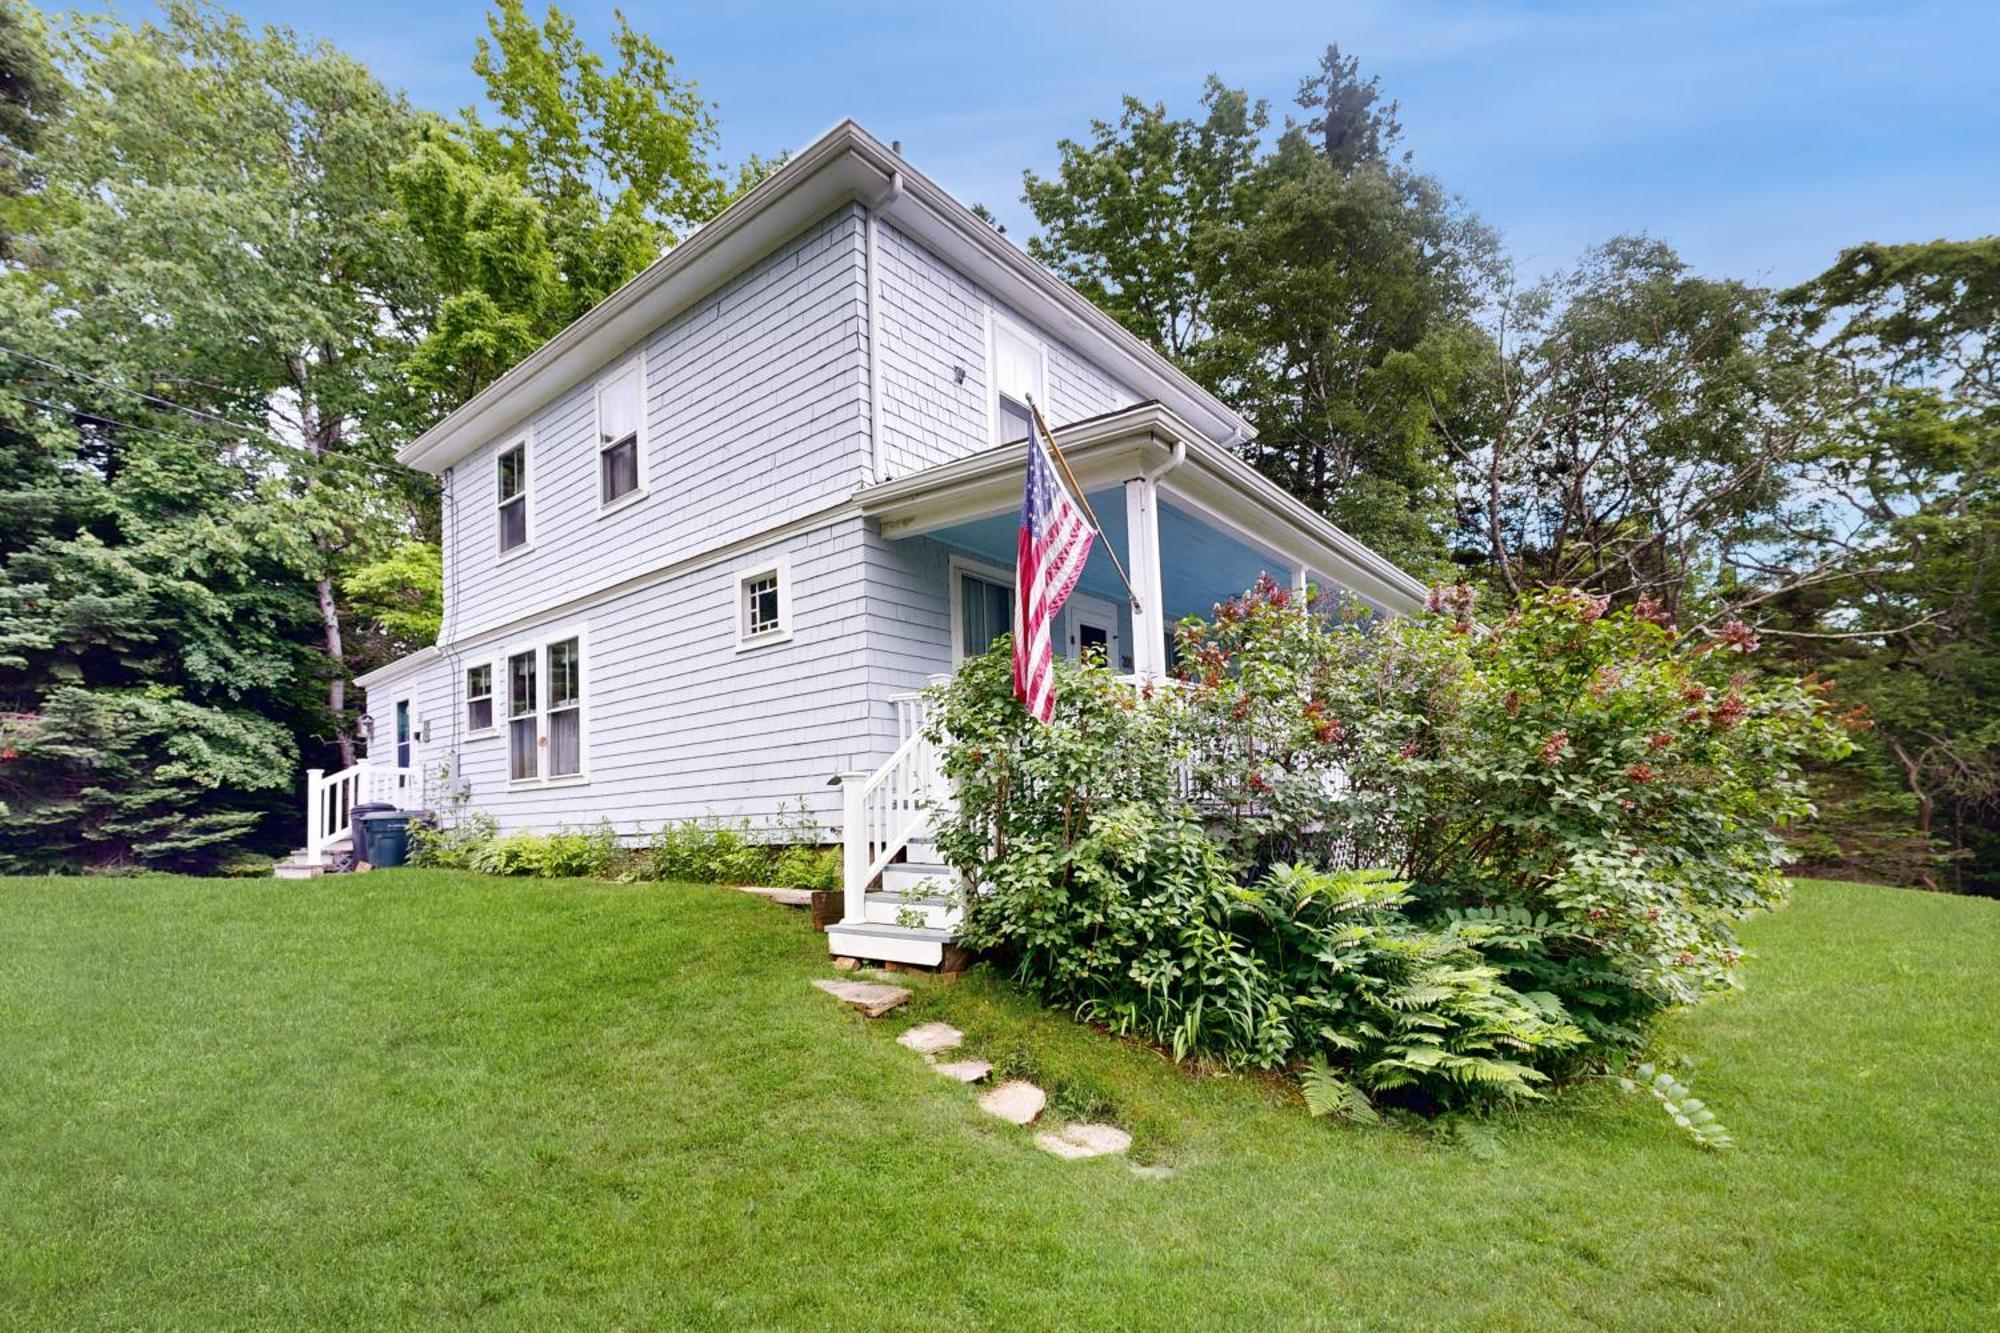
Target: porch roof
1194	473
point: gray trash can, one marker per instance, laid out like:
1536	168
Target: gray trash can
385	837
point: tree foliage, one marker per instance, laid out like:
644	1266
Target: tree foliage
243	273
1319	285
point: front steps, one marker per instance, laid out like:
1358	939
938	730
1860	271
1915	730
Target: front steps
301	864
914	946
910	918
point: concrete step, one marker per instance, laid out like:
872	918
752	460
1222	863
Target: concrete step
298	870
886	907
924	879
888	943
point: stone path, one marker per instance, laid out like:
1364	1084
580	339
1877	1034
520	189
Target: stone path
870	998
1017	1101
1084	1141
930	1038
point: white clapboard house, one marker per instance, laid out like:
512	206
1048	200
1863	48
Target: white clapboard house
703	548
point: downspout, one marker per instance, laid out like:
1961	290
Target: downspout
888	197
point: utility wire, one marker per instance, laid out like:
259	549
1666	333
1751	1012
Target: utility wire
151	398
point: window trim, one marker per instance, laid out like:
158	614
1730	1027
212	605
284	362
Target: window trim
641	439
1000	324
539	645
957	567
525	443
739	611
495	674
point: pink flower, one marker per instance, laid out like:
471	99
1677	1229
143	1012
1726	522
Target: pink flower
1455	600
1640	773
1659	741
1553	747
1737	637
1654	611
1729	712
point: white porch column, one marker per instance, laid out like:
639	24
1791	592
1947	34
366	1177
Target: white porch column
1142	559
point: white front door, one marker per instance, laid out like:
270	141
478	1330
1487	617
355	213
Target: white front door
1093	628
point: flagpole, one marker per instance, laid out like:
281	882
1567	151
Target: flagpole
1076	489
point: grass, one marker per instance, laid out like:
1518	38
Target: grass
418	1099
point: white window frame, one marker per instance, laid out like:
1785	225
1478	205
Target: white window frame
739	609
496	679
957	567
525	443
999	326
636	364
539	646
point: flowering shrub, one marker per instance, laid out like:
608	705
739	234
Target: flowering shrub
1424	857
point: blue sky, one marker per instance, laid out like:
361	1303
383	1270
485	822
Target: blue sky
1758	136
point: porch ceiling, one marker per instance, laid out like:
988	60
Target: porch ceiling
1218	516
1200	564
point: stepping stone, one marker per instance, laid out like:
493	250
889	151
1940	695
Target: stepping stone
869	998
966	1071
1016	1100
782	897
930	1038
1084	1141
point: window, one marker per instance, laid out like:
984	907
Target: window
763	598
985	612
545	711
1016	422
402	733
513	500
479	697
1020	373
620	417
523	729
565	718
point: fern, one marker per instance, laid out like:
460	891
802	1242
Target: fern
1329	1094
1681	1105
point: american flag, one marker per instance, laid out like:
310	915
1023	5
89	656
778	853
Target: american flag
1054	544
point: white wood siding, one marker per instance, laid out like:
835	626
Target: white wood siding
756	412
934	322
677	722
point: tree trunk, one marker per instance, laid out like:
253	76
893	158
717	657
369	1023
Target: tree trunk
1926	807
336	692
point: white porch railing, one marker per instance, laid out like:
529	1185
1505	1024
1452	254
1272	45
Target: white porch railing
882	810
332	797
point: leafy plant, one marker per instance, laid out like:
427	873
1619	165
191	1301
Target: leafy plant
454	842
1680	1104
563	854
1422	863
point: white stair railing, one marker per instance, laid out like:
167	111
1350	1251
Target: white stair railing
331	798
880	811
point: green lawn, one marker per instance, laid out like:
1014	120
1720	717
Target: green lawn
419	1099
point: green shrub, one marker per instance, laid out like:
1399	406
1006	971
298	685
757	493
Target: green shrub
806	868
453	845
1563	814
708	851
564	854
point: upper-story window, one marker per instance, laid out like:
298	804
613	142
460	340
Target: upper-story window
621	428
513	496
1020	373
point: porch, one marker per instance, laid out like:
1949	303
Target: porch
1192	526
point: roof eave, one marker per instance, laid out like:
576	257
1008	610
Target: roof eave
844	165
